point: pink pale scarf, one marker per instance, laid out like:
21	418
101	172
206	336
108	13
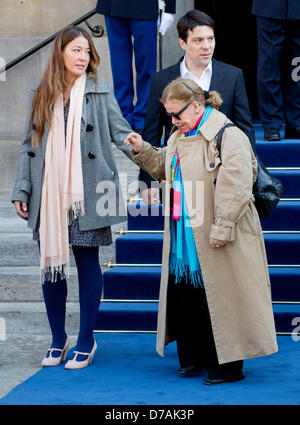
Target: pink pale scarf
62	196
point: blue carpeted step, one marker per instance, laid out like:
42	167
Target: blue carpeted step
287	317
127	316
142	283
132	283
147	248
285	153
285	283
143	217
290	180
139	316
285	217
282	248
140	248
259	132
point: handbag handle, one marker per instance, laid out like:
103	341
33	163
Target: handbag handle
220	135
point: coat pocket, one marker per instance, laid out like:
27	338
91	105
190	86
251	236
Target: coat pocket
247	224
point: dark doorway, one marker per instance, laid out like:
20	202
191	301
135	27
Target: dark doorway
236	40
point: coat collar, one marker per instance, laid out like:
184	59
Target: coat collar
217	77
100	87
90	88
175	69
212	125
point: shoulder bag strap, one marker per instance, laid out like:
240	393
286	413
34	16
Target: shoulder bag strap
220	135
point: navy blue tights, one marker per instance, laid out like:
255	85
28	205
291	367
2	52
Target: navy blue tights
90	288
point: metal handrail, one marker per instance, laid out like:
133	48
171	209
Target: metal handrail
97	31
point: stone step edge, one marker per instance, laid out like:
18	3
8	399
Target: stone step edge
32	306
19	270
35	270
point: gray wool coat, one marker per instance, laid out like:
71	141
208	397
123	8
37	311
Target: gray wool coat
102	123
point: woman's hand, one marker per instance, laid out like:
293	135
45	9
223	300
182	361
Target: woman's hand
21	208
134	140
216	243
151	196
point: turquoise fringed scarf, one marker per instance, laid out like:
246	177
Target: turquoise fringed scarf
184	261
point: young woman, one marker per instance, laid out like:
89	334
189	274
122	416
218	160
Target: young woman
215	296
65	154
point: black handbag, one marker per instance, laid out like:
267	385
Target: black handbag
267	189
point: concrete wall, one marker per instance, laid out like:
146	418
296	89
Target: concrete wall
39	18
23	24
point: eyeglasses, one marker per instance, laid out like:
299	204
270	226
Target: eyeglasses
176	115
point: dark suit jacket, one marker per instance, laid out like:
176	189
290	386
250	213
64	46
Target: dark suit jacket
277	9
133	9
227	80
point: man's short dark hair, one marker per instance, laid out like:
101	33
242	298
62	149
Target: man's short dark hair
193	19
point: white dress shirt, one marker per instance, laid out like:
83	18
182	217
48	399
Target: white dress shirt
203	81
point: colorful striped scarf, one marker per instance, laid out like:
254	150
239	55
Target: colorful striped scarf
184	261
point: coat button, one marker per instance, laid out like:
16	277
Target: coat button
211	165
89	127
91	155
31	154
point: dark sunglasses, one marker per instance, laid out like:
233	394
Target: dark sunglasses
176	115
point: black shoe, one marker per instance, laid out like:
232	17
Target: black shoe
271	134
214	381
190	371
292	133
217	376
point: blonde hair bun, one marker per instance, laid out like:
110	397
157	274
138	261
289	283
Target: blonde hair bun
187	90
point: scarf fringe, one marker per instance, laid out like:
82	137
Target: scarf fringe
183	271
53	273
75	210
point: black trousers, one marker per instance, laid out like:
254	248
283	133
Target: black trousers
189	322
278	81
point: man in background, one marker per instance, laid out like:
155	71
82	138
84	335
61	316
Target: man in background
138	20
278	28
196	38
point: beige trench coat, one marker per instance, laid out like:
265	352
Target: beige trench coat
220	203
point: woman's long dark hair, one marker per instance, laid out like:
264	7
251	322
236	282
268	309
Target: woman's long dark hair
54	80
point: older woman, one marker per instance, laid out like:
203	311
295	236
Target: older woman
215	290
65	155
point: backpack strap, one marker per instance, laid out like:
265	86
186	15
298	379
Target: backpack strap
220	135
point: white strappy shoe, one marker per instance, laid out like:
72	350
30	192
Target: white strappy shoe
75	364
55	361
